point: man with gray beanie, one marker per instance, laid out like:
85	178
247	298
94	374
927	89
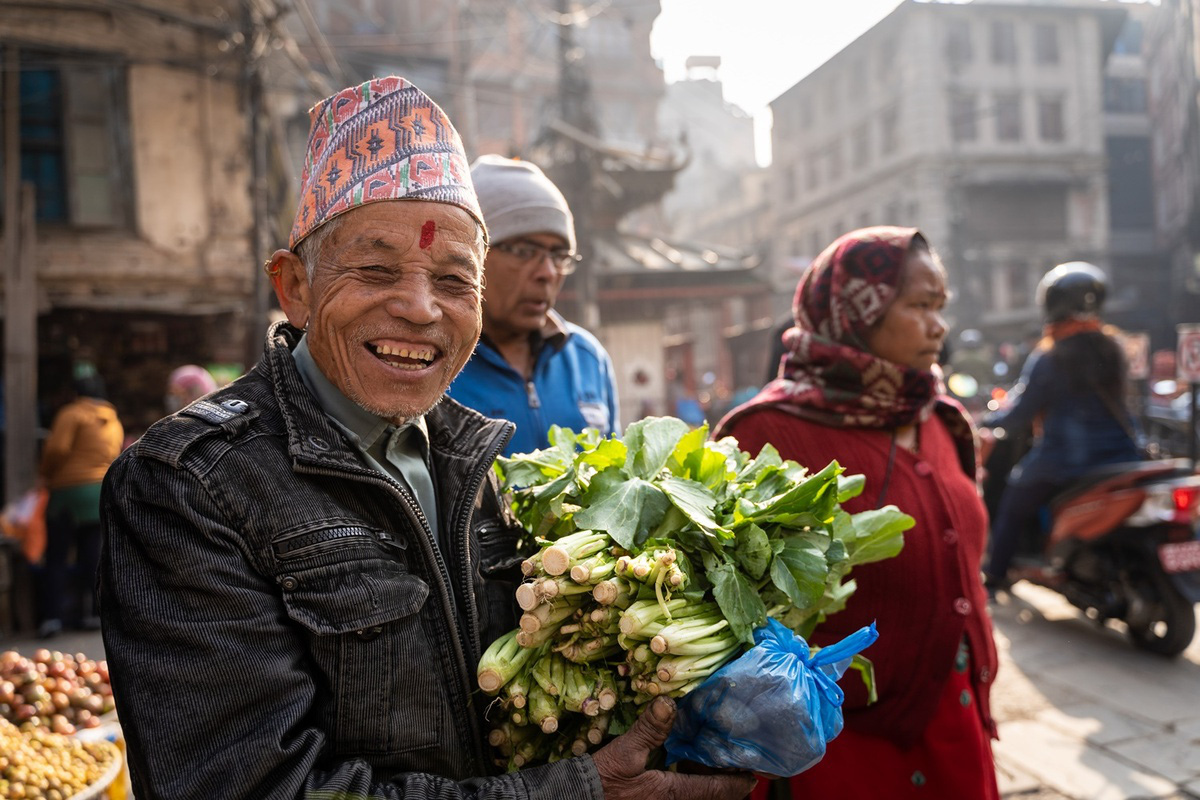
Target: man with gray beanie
531	366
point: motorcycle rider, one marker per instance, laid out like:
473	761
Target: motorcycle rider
1074	385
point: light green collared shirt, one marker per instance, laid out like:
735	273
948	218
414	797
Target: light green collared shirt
396	451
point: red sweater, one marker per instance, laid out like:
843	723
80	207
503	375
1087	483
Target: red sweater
923	600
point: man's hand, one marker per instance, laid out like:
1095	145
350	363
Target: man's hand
622	765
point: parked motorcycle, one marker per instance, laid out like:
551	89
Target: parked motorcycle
1123	543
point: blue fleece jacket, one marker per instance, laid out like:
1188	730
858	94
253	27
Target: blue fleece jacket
573	386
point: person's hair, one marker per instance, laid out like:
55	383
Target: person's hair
920	244
90	386
1092	361
309	250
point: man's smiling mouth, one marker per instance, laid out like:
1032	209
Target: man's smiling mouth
407	358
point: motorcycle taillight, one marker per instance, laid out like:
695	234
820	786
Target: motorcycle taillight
1186	499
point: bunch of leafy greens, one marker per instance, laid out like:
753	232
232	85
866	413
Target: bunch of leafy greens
759	535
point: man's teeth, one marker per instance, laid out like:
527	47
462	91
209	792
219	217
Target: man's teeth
404	352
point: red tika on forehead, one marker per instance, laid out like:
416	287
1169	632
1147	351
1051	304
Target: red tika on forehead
427	231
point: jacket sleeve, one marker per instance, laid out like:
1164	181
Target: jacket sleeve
58	443
1028	397
210	681
610	379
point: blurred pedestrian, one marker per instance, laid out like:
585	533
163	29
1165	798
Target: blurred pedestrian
531	366
858	385
1074	387
185	384
84	439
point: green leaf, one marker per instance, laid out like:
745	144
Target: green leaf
695	501
878	534
768	456
691	443
739	601
650	443
850	486
799	570
801	497
866	670
627	510
752	551
608	453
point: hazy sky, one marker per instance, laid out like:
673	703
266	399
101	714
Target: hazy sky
765	45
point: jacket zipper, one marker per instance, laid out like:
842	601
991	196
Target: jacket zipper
432	552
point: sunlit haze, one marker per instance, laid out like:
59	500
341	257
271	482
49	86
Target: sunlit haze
765	46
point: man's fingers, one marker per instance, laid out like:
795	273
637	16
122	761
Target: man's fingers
706	787
651	728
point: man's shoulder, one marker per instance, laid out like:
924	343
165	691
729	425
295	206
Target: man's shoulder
581	339
228	416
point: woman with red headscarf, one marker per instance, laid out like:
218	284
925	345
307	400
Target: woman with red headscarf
859	385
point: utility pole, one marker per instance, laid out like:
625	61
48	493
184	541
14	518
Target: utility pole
20	299
253	80
575	109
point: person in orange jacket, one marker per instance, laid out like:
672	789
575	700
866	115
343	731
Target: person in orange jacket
84	439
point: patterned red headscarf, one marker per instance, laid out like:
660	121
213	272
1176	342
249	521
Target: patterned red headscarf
828	375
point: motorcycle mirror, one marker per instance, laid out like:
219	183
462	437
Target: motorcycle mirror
962	385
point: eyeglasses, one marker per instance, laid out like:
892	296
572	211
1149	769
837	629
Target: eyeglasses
529	252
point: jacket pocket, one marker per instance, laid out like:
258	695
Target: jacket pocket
366	632
500	574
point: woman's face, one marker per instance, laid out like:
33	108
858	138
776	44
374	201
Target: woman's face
912	328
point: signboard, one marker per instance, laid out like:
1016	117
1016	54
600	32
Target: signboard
1137	354
1187	359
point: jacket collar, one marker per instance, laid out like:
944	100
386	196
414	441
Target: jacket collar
456	433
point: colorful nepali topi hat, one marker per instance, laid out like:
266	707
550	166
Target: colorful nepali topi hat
383	140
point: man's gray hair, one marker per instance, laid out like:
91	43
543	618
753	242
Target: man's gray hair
309	250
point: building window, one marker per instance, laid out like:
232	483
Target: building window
69	135
862	147
806	113
1045	43
835	161
1125	95
813	170
858	76
789	184
964	118
958	42
886	61
1008	117
832	93
1129	41
1050	119
889	137
1019	294
1003	42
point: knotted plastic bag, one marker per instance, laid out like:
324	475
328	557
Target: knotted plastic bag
770	711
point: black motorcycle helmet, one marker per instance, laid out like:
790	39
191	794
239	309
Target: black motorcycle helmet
1074	289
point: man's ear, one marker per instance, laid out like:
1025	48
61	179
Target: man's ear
290	281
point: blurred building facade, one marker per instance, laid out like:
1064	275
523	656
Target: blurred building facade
980	123
1173	48
128	124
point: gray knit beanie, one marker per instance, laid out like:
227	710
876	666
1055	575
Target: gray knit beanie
518	199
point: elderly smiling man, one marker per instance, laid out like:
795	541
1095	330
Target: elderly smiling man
302	569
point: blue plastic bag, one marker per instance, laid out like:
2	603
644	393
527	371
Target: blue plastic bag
772	710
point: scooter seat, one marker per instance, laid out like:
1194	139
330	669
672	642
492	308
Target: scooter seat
1130	473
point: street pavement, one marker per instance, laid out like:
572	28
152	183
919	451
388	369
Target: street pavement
1082	714
1085	716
